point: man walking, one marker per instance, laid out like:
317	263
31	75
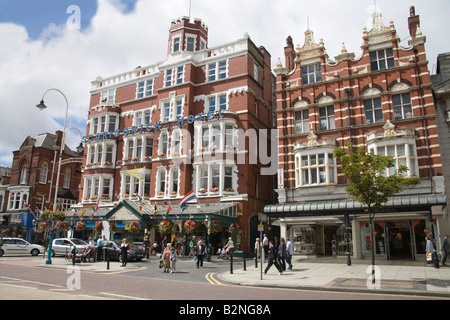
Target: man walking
289	252
445	249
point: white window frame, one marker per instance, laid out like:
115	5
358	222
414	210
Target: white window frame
313	164
43	173
217	70
409	158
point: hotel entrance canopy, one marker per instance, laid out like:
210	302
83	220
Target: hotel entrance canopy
225	213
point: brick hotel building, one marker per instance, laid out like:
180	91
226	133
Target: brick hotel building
157	132
381	100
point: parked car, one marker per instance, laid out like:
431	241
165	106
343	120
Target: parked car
61	246
113	247
19	246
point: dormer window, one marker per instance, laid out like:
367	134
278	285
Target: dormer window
311	73
382	59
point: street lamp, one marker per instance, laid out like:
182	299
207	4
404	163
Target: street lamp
208	227
41	106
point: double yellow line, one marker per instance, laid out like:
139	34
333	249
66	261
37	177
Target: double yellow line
210	277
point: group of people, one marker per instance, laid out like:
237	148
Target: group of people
431	252
83	256
278	253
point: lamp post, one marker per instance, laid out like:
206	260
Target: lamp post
41	106
208	227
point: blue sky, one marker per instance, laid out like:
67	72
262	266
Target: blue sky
39	50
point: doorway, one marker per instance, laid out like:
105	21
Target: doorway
399	240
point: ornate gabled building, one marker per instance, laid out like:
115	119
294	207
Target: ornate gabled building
382	101
32	184
157	132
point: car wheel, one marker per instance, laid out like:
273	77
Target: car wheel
119	257
34	252
53	253
1	252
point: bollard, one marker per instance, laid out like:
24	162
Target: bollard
256	261
73	258
107	259
231	261
245	265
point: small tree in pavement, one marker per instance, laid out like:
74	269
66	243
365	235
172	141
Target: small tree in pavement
368	182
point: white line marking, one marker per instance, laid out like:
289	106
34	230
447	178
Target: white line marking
35	282
122	296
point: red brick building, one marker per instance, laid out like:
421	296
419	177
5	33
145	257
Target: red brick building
381	100
157	132
32	182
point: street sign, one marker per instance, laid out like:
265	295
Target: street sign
260	227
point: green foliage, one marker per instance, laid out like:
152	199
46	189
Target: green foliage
366	176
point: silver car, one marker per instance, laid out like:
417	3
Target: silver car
19	246
62	246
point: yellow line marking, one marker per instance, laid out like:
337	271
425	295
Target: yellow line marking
210	277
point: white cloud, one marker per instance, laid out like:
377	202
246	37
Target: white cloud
116	42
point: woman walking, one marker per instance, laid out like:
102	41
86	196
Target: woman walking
166	257
124	247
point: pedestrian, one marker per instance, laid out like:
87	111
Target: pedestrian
265	244
271	259
289	252
282	254
163	244
99	248
229	247
257	244
200	251
155	245
429	250
166	257
173	260
124	247
183	246
445	249
175	243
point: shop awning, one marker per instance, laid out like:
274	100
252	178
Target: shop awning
331	207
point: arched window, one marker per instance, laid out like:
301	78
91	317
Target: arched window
301	116
401	101
43	174
67	175
372	106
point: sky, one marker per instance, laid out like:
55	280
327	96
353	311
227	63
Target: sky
66	44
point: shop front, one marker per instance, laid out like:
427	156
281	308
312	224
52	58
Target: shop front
397	238
333	228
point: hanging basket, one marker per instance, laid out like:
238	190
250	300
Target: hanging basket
189	226
98	226
234	228
113	226
80	226
215	227
164	226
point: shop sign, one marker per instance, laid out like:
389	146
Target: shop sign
426	230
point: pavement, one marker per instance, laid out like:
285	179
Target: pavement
333	274
308	273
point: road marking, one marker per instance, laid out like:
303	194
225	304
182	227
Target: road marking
15	285
35	282
210	277
122	296
120	271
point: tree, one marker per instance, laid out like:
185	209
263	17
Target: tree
368	182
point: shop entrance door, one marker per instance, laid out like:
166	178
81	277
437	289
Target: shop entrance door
399	240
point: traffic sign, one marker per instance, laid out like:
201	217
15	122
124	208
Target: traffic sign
260	227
